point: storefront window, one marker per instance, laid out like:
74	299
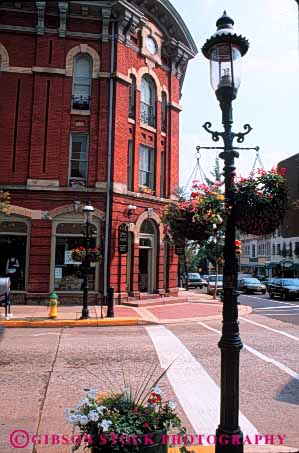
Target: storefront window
67	274
13	246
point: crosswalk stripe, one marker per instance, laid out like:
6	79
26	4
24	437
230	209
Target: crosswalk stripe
261	356
281	332
196	391
276	308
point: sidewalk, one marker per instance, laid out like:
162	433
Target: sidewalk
199	307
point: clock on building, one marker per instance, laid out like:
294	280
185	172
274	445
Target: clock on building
151	45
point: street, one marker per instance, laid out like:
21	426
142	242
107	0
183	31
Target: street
43	371
286	311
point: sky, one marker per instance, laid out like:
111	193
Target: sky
268	98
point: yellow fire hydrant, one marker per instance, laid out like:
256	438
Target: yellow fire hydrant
53	302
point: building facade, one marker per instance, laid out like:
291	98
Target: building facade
90	94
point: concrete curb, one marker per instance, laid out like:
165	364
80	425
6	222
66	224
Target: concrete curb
20	323
110	322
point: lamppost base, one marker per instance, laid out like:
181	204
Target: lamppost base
85	314
229	442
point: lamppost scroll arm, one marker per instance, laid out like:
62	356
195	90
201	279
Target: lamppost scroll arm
240	135
215	134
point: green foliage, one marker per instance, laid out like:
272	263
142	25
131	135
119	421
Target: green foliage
261	201
4	201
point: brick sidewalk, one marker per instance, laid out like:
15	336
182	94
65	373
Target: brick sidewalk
198	307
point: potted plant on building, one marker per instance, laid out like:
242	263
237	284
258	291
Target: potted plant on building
94	254
147	190
261	202
197	218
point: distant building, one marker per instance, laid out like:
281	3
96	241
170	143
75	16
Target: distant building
90	103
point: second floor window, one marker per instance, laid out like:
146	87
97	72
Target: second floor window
82	82
163	175
78	160
132	97
148	101
146	167
130	164
164	112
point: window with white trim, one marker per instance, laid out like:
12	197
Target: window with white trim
146	167
82	76
164	112
132	97
78	160
148	101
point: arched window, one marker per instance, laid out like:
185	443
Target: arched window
164	112
132	97
81	82
148	101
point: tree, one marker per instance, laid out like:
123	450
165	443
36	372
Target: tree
216	173
4	201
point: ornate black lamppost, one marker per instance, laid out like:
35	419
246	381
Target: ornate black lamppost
224	50
85	267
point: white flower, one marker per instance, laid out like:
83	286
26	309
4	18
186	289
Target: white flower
157	390
105	425
101	409
73	419
171	405
91	393
82	403
83	420
93	416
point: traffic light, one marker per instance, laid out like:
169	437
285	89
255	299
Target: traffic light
238	246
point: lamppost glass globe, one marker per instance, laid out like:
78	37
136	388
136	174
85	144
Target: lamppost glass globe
224	49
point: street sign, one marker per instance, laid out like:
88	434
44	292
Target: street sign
123	238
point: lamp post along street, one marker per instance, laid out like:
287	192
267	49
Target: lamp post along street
88	211
224	50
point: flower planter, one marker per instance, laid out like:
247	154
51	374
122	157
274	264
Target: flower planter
80	257
259	218
159	445
261	202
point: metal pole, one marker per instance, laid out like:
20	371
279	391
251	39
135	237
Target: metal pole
85	269
110	309
230	343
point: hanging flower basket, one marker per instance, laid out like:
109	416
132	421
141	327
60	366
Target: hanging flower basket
79	253
261	202
198	218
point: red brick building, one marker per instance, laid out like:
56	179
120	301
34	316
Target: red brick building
89	110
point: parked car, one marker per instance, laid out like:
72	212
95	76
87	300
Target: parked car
285	288
196	281
268	282
251	285
212	283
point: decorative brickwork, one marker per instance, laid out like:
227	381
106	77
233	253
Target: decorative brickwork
40	122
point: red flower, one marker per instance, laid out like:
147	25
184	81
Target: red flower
146	425
282	171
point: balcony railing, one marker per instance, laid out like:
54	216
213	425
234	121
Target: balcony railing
147	115
80	102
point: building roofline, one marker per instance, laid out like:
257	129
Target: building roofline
177	17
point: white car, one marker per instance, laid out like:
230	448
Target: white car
212	283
